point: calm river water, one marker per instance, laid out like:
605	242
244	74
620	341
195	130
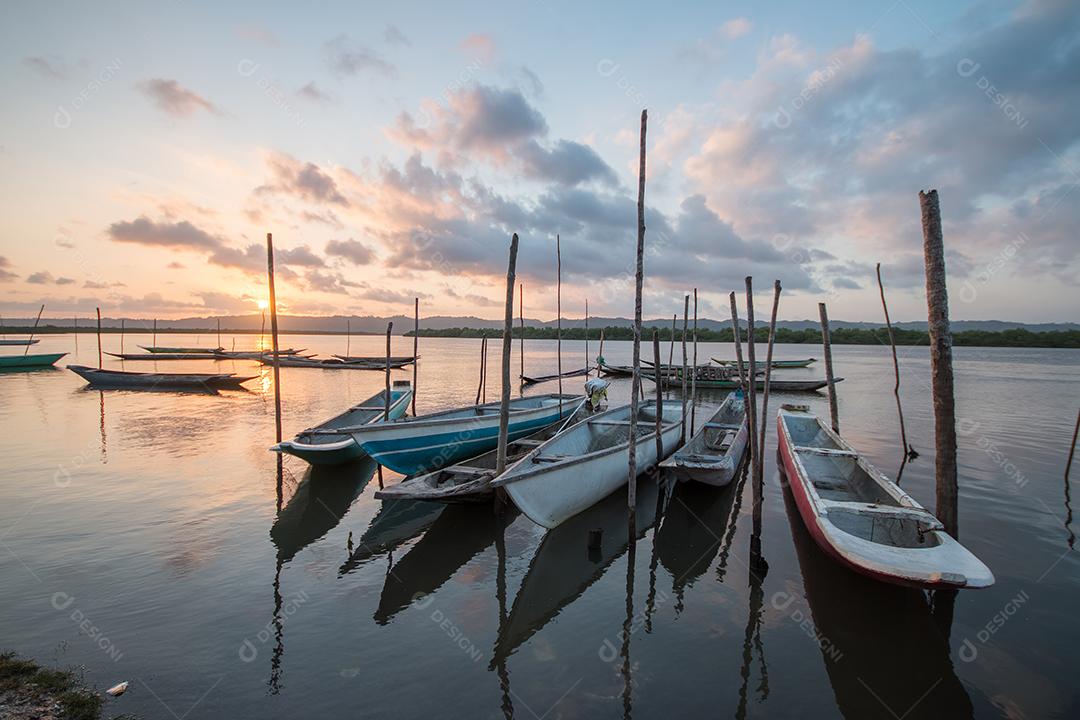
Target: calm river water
140	538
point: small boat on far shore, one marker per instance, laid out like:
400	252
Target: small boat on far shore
774	385
137	380
395	360
20	343
324	444
776	364
29	362
861	518
714	453
534	379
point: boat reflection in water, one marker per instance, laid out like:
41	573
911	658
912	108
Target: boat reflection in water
564	565
396	522
459	533
320	501
884	651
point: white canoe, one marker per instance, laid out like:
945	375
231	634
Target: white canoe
862	518
326	444
587	462
713	454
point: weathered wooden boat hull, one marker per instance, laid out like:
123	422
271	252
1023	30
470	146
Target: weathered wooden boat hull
185	350
164	356
470	481
395	360
703	461
20	343
321	446
776	364
327	364
615	370
533	380
586	463
774	385
929	558
429	442
118	379
256	354
29	362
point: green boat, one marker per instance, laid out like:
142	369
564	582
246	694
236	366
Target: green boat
777	364
29	362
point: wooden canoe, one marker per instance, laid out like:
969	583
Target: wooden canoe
614	370
255	354
163	356
534	379
428	442
777	364
470	481
774	385
395	360
20	343
714	453
324	363
862	518
587	462
136	380
184	350
29	362
320	445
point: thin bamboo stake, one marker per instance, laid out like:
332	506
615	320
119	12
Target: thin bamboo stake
738	355
219	332
99	338
600	353
121	335
671	346
1072	450
937	305
483	357
685	314
348	336
693	378
826	343
262	331
586	338
31	340
768	369
386	375
558	313
659	395
635	386
521	315
751	384
896	366
154	341
76	334
274	334
415	349
508	328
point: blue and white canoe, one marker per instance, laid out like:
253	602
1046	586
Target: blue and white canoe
429	442
329	444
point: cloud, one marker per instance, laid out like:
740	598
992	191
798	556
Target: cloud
65	281
301	256
391	297
349	60
174	99
43	277
352	250
94	285
312	92
736	28
176	235
49	66
567	163
176	266
303	180
393	36
480	46
6	275
223	302
531	81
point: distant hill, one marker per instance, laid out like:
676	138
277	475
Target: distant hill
370	324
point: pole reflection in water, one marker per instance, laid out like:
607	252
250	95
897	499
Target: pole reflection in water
104	448
624	652
507	703
752	636
396	522
316	507
885	648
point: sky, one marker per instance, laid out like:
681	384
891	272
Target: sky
392	149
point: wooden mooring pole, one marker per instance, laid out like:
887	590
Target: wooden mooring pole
521	315
483	368
768	368
154	341
693	377
274	335
658	373
738	355
635	387
686	312
348	336
386	375
908	451
671	345
415	350
937	307
99	338
218	332
586	338
751	386
34	329
1072	449
121	335
826	344
558	315
508	329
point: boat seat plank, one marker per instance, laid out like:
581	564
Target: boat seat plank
610	422
887	511
825	451
721	426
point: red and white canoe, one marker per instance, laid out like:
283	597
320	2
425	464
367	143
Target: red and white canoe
862	518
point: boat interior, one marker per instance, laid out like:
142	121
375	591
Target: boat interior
856	502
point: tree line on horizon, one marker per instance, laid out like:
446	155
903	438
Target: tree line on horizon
839	336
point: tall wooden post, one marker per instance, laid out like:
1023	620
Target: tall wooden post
76	335
671	346
483	368
274	333
30	341
659	372
896	365
508	329
218	332
738	354
521	315
1072	451
600	352
768	369
348	337
386	375
121	335
937	306
558	313
586	338
99	338
685	314
154	341
826	343
635	386
751	372
415	349
693	377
